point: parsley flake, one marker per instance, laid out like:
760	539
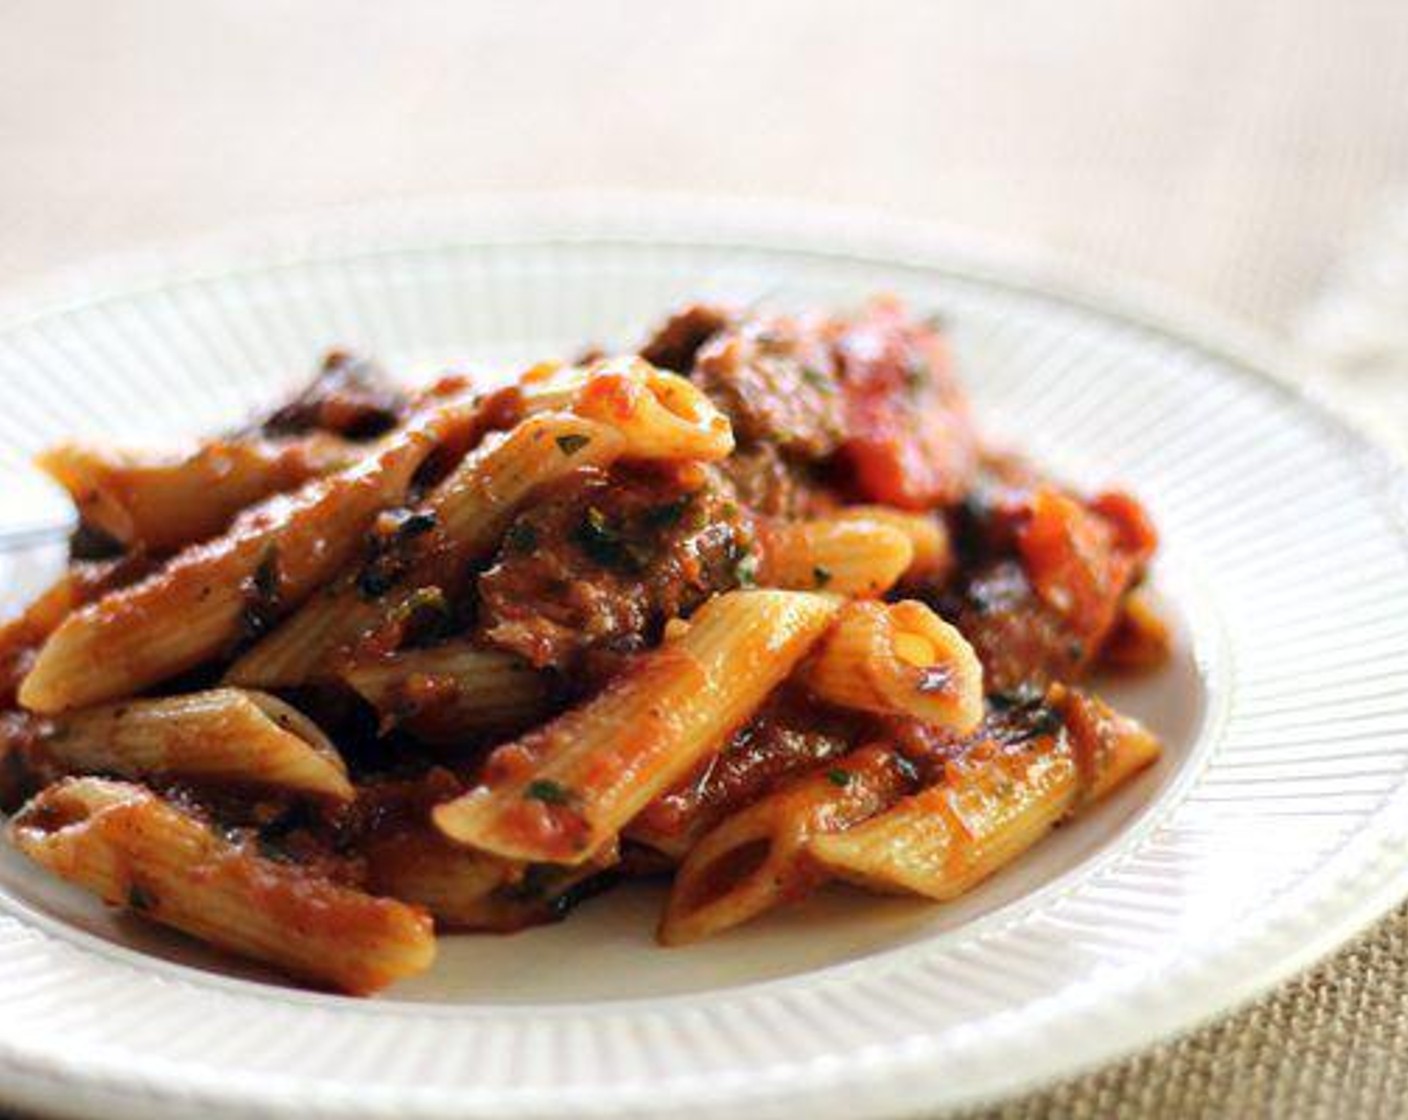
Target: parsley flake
571	444
547	791
521	537
838	777
140	899
821	575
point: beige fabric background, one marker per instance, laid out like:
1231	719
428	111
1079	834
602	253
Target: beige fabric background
1231	150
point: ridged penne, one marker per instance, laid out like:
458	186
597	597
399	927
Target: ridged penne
133	849
899	659
757	858
223	734
84	581
160	503
468	890
468	512
932	559
993	803
563	791
444	692
845	556
198	605
659	414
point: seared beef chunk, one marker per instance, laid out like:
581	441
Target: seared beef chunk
791	734
606	560
768	484
676	342
350	397
871	399
1016	636
775	377
1044	575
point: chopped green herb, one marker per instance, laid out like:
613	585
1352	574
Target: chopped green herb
1023	696
745	569
535	885
821	575
374	581
571	444
547	791
916	372
422	601
273	848
816	379
606	545
415	525
1046	721
140	899
266	576
838	777
667	513
521	537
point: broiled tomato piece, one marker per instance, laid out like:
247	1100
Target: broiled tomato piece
910	440
1079	560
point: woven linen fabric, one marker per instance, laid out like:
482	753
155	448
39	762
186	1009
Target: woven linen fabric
1331	1044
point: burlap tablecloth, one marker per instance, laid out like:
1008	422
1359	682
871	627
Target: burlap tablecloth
1232	150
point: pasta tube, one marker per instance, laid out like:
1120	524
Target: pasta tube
899	659
994	803
932	559
756	859
223	734
161	503
444	692
846	556
197	606
131	848
563	791
659	414
468	890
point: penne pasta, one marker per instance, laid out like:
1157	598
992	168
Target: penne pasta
197	606
993	803
468	890
562	792
468	513
445	692
932	559
160	503
659	414
1110	748
606	621
844	556
757	858
133	849
21	637
224	734
899	659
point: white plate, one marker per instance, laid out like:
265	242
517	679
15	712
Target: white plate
1275	826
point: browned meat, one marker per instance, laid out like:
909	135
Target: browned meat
1018	637
350	396
605	561
769	485
677	340
775	377
790	735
